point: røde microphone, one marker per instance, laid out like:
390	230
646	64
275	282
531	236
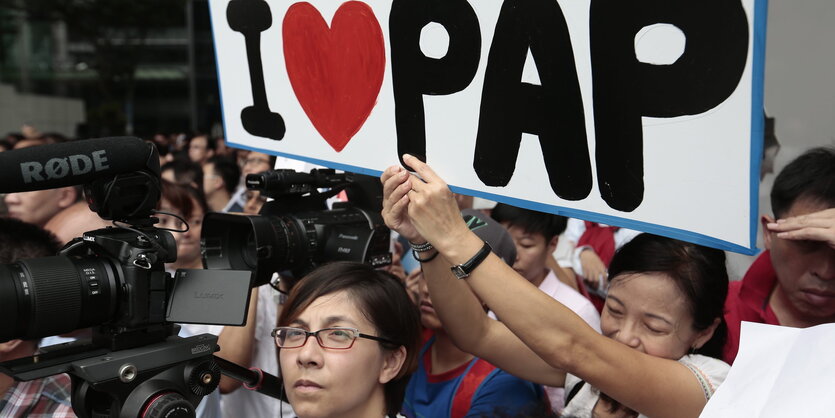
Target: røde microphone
72	163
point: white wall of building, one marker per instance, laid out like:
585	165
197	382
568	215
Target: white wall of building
799	88
800	71
46	113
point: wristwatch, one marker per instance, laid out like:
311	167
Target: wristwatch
462	271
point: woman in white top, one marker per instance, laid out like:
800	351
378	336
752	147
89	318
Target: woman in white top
347	340
665	300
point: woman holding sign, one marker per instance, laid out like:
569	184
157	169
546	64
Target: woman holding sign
662	322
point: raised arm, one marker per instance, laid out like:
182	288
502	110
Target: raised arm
552	331
237	344
459	310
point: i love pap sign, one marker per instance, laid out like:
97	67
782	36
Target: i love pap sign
642	114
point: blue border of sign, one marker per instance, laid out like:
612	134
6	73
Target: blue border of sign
757	116
757	131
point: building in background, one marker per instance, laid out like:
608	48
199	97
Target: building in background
137	67
48	113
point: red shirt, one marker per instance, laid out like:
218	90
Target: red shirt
748	301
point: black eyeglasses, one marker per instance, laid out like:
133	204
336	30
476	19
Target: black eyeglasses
337	338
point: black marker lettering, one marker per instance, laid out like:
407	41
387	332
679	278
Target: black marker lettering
414	74
553	111
625	89
250	18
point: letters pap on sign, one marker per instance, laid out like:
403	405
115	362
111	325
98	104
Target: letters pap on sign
645	114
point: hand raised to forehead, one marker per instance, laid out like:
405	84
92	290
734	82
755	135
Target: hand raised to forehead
816	226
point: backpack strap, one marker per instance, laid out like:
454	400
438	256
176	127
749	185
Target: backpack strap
574	390
467	388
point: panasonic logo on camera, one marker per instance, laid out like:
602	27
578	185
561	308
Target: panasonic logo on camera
57	168
350	237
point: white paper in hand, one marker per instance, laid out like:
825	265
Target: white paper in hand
779	372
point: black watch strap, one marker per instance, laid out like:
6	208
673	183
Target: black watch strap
462	271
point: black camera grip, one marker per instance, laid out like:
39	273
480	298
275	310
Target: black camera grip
254	379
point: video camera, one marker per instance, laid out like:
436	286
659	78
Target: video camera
295	232
114	280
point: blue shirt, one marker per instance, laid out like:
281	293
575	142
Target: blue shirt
488	389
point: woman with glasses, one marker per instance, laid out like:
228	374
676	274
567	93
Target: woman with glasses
347	342
662	323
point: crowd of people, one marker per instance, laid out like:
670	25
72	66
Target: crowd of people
484	320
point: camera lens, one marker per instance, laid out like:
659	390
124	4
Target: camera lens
47	296
262	244
295	232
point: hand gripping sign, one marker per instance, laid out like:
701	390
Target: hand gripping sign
642	114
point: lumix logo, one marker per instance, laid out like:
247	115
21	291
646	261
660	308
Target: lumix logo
208	295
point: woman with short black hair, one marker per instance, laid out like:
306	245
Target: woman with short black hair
365	336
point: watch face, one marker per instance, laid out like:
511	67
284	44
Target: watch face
459	272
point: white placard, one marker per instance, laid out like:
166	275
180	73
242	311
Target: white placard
646	116
779	372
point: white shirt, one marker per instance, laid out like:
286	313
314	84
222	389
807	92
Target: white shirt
708	371
243	402
569	297
237	198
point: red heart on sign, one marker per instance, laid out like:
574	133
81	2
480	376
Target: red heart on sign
335	72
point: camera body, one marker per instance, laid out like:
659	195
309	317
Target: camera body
296	232
110	277
114	279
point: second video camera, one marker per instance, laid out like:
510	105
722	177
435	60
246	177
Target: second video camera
295	232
